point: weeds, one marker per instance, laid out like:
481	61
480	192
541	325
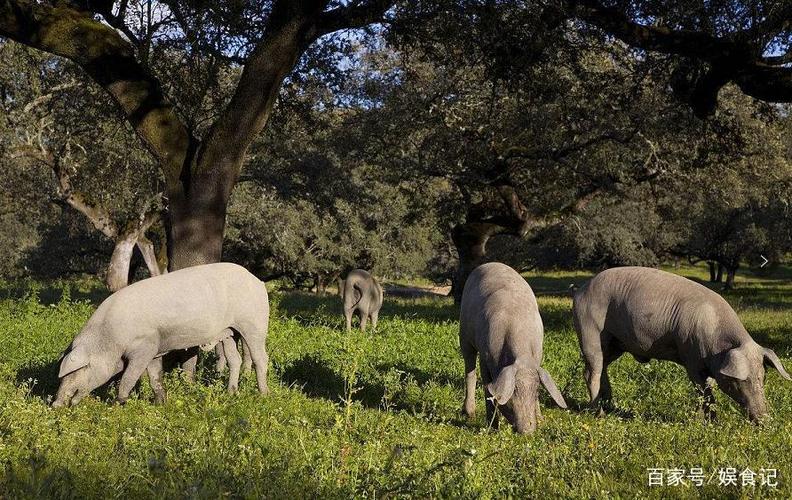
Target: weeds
374	414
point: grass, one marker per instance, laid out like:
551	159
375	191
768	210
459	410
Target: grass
375	415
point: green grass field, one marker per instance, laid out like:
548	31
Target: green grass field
377	415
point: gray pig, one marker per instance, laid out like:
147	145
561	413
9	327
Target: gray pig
500	321
134	327
653	314
361	292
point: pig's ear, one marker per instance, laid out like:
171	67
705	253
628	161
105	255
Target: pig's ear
771	359
550	385
735	365
503	387
73	361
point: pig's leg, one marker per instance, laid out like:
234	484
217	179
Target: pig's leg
260	361
492	415
374	317
247	361
348	317
469	356
154	370
188	367
612	353
363	318
220	366
704	391
234	364
136	365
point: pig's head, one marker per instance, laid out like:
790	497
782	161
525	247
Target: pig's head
516	391
740	374
81	372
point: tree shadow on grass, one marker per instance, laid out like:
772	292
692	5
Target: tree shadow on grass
44	380
303	307
422	377
316	380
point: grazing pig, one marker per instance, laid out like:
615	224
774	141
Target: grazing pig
360	292
134	327
500	321
654	314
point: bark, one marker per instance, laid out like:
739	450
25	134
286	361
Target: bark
711	271
199	176
732	57
470	240
149	255
719	275
500	213
195	224
118	270
321	285
731	272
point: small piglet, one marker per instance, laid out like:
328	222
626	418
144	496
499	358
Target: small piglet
134	327
500	321
361	292
653	314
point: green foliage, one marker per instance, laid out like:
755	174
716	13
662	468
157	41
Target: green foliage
375	414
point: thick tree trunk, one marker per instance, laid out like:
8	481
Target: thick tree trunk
470	241
195	223
711	271
719	275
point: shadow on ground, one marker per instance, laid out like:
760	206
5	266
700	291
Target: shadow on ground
304	306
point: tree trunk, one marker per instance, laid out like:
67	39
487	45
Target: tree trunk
731	272
146	248
470	241
711	271
196	221
118	270
719	276
321	285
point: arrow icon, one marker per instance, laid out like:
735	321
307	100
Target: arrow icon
764	259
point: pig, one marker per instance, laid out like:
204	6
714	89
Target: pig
500	321
360	293
133	328
653	314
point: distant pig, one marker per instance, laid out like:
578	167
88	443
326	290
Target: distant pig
653	314
500	321
360	292
134	327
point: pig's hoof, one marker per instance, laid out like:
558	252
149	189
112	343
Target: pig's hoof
264	391
160	400
233	390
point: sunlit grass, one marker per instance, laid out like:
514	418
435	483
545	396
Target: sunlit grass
375	414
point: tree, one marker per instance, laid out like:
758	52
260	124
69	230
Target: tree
114	42
522	154
335	211
747	43
56	127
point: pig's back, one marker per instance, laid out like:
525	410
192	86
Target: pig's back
497	303
208	297
646	307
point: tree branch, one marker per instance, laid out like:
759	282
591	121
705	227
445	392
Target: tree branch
355	15
110	61
732	58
